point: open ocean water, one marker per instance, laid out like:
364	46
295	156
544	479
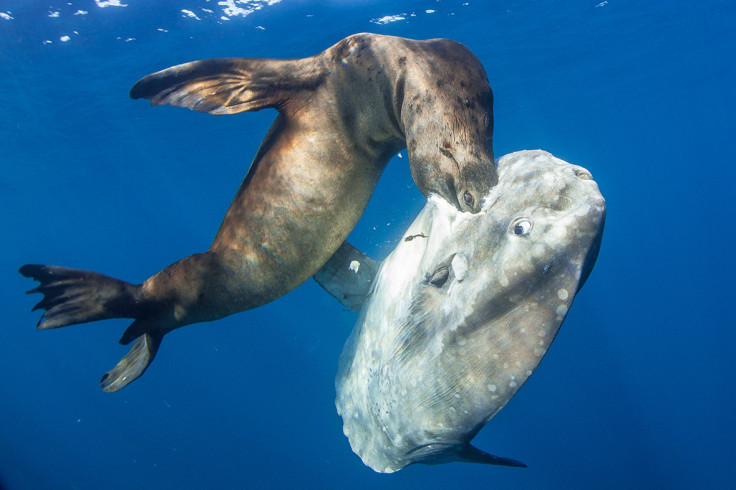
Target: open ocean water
638	389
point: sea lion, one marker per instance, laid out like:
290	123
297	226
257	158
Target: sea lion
460	314
342	115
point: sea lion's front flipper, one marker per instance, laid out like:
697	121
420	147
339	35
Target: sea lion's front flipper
230	85
134	363
348	275
72	296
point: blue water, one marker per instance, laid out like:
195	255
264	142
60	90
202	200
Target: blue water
638	389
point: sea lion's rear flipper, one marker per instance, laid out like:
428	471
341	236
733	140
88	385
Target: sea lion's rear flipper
72	296
348	275
230	85
134	363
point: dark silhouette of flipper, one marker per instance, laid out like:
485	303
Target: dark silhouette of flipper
348	276
72	296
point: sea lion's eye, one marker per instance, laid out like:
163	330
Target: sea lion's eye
468	198
521	226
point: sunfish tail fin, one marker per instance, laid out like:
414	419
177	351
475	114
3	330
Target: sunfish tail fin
471	454
348	275
72	296
230	85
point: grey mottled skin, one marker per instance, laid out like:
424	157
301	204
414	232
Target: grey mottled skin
342	115
461	312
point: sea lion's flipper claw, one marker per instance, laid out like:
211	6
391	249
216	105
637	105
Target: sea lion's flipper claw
229	85
73	296
134	363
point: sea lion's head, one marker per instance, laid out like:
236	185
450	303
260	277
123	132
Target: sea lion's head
447	111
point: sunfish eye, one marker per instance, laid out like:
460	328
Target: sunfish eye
521	226
468	198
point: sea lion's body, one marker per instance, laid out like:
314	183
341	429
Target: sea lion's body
342	115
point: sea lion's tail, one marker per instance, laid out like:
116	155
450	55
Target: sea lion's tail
72	296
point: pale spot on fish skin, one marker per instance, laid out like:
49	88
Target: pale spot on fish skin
491	387
582	210
563	294
460	266
513	384
561	310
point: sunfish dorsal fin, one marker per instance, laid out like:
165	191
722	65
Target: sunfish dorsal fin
230	85
348	275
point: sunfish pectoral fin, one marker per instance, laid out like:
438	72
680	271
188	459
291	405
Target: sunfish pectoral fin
135	362
471	454
348	275
230	85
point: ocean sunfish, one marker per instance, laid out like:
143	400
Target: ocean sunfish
461	312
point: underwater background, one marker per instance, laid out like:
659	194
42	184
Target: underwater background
638	389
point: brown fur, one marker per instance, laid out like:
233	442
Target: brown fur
342	115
